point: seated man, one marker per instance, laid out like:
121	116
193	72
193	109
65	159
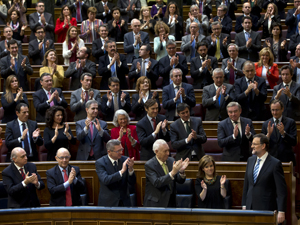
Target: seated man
47	97
134	40
226	21
187	135
104	10
175	93
115	173
247	12
98	49
64	181
80	96
114	99
81	66
21	180
4	49
216	97
199	18
294	41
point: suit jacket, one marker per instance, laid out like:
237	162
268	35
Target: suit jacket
264	23
203	26
113	186
207	8
128	15
21	73
204	77
37	55
12	133
97	50
18	195
252	52
186	46
5	52
144	131
274	74
55	184
226	24
34	23
160	188
294	41
291	107
223	48
129	41
41	106
152	74
231	7
281	52
178	27
238	65
106	73
79	108
279	147
238	25
253	105
295	77
90	67
215	111
178	135
100	11
165	68
168	96
84	8
234	149
291	22
269	191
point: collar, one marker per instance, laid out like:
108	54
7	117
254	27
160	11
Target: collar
61	169
113	94
38	14
110	58
216	86
170	57
247	80
18	168
39	41
160	162
135	34
263	158
46	91
84	90
289	84
189	120
280	119
14	57
150	118
180	85
205	58
247	31
147	59
239	120
272	16
112	160
234	59
20	122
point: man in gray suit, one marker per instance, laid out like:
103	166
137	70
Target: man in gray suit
216	97
80	96
162	174
188	44
187	135
199	18
4	50
92	133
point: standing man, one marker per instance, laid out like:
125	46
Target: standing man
64	181
79	9
292	19
294	40
200	18
104	10
162	174
4	50
264	183
247	12
129	9
21	180
295	64
222	17
115	173
98	49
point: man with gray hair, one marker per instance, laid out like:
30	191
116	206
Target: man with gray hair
222	17
115	173
234	134
200	18
162	174
216	97
92	133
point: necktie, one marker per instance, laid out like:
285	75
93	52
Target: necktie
92	133
16	65
136	51
68	190
86	96
298	20
217	55
116	166
22	173
187	127
231	74
255	171
180	99
26	143
116	104
78	12
144	68
165	168
219	99
193	52
276	129
154	123
239	133
247	36
113	70
49	96
200	7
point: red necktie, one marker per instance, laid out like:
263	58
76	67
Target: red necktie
78	12
92	132
68	190
154	123
231	74
22	173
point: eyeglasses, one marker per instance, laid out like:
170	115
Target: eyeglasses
118	151
64	157
256	144
40	32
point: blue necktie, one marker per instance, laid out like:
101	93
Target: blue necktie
16	65
193	49
255	171
219	100
113	70
298	20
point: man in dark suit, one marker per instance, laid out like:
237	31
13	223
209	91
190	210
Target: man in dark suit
247	12
171	61
21	180
41	18
64	181
175	93
234	134
115	173
150	128
114	99
233	65
264	183
112	64
289	93
292	19
80	66
104	10
281	5
295	64
187	135
144	66
162	174
92	134
216	97
47	97
231	7
98	49
225	20
294	41
78	9
4	50
134	40
39	46
24	133
129	9
203	66
249	41
251	93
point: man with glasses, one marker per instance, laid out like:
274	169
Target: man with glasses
116	175
4	49
223	19
294	41
64	181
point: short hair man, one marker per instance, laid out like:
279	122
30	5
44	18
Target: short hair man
222	17
80	66
98	49
92	134
47	97
216	97
187	135
151	127
129	10
291	20
231	7
4	50
104	10
200	18
295	64
21	180
234	134
294	41
162	174
64	181
115	173
247	12
264	183
80	96
78	8
23	133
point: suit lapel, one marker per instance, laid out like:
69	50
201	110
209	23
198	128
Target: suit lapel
17	128
250	173
263	169
58	174
110	167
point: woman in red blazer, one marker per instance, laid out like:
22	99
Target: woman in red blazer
266	69
126	134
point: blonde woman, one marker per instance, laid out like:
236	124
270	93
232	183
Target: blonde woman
270	17
147	22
